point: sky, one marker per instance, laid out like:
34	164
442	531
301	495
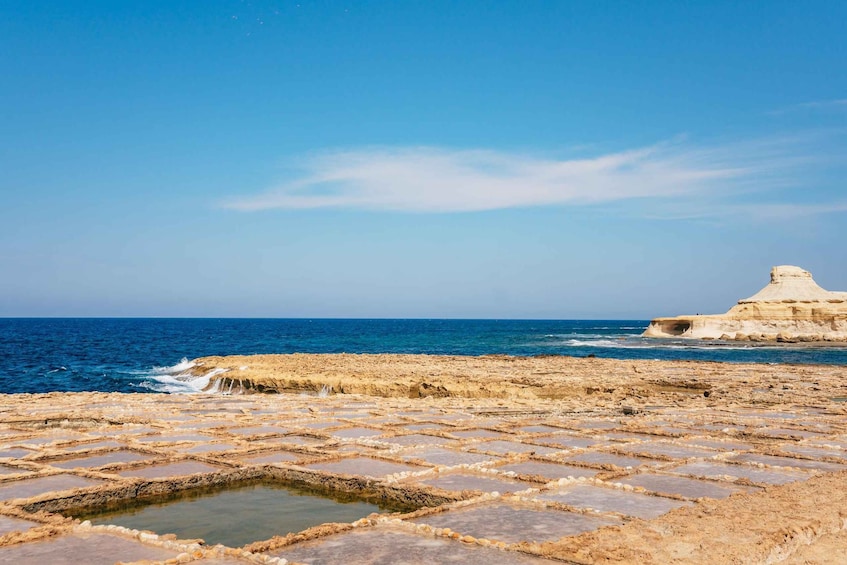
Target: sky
417	159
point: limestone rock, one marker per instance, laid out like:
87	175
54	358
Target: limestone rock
791	308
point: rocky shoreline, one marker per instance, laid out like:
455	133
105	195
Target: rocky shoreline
529	461
792	308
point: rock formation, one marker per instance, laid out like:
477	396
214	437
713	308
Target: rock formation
792	308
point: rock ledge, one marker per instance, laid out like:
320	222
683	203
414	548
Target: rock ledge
792	308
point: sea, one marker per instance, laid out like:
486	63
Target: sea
148	354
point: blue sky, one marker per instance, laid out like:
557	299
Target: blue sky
417	159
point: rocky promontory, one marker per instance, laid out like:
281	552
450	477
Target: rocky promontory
792	308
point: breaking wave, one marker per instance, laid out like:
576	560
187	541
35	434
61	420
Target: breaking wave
179	379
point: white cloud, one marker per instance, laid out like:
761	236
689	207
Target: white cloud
841	104
430	179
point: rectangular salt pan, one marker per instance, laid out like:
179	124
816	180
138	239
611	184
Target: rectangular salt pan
170	470
364	466
236	516
416	439
40	485
683	486
383	546
5	470
601	458
96	445
95	549
613	500
15	452
354	433
502	522
211	448
504	447
788	462
473	434
93	461
548	471
173	438
719	445
566	441
462	481
668	450
274	457
448	457
258	430
8	524
720	471
814	451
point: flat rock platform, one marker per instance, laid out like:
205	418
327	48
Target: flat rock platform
561	460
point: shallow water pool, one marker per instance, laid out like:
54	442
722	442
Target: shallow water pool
236	516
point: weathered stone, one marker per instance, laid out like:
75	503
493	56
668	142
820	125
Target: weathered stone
791	308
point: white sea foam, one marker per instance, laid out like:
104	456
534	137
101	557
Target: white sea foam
640	344
183	365
177	379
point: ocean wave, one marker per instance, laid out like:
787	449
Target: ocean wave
629	344
177	379
183	365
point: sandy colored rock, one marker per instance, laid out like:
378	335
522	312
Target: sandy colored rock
791	308
772	438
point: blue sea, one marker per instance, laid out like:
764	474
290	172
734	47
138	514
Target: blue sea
143	355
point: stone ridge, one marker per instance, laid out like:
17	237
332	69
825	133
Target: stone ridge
791	308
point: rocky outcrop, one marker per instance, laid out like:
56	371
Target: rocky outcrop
791	308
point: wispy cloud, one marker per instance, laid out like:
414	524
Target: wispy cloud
839	104
430	179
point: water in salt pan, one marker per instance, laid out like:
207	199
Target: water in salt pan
668	450
787	433
504	447
39	441
601	458
566	441
96	445
273	457
33	487
319	425
8	524
683	486
613	500
210	448
92	461
722	471
473	434
93	549
547	471
465	481
236	516
417	439
538	429
258	430
502	522
385	546
364	466
426	427
719	445
448	457
15	452
6	470
353	433
818	452
597	425
294	440
170	470
173	438
788	462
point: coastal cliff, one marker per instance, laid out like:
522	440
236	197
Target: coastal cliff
791	308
